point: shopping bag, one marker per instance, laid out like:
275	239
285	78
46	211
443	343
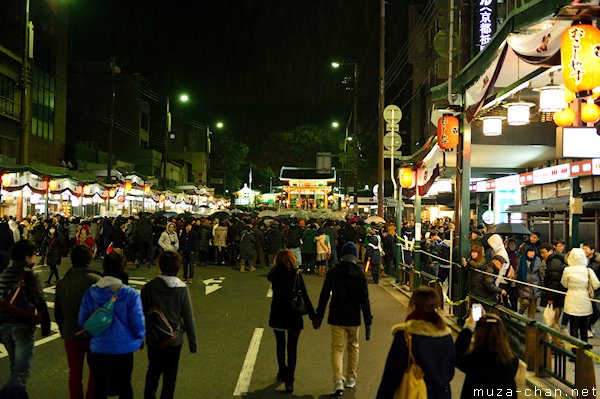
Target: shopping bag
549	314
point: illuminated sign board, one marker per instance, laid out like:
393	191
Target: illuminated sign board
484	22
578	142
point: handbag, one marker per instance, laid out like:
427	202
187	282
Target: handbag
298	304
590	287
413	384
16	304
549	314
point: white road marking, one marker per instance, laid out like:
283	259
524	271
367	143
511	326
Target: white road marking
212	285
245	377
270	292
50	290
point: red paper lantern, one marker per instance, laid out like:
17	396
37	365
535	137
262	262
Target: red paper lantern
447	132
580	57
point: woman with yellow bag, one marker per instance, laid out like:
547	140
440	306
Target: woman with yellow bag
420	363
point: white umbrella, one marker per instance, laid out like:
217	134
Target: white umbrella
267	213
376	219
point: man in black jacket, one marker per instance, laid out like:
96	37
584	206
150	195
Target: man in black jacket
18	334
555	266
347	285
143	233
484	285
187	247
69	292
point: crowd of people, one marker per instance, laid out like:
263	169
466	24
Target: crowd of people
349	254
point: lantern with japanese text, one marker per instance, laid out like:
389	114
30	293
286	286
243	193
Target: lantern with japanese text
127	186
590	113
406	177
580	57
447	132
564	118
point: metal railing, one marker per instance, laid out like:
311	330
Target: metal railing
547	351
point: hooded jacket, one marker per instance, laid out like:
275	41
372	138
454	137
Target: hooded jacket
495	242
169	241
171	295
347	285
433	350
126	333
575	279
14	227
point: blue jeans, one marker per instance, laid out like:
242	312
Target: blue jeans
18	340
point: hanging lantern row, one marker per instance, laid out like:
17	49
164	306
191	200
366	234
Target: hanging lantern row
447	132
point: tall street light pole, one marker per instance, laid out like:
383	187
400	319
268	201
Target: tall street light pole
356	127
184	98
355	124
380	164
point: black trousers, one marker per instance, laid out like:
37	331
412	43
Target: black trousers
166	362
112	374
287	370
578	326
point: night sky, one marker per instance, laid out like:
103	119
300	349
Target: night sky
258	65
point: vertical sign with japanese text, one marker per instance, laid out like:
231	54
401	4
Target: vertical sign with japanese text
484	22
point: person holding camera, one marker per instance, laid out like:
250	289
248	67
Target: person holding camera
169	241
346	283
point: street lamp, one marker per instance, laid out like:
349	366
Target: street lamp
354	64
335	124
183	98
220	125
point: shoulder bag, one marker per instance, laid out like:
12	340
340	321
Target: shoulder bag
412	385
590	286
298	304
16	304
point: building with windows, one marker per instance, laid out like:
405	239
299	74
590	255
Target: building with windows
33	100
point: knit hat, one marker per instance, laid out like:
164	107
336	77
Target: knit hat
349	249
500	258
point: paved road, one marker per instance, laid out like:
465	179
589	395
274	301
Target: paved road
228	321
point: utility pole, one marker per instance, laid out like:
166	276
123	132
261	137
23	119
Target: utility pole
111	123
356	127
26	90
380	164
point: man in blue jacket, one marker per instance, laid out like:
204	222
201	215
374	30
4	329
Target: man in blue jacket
112	351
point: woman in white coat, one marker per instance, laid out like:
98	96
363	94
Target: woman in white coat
575	279
168	240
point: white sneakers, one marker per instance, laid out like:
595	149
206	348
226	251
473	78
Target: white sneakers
351	383
339	387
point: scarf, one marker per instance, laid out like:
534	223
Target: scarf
523	268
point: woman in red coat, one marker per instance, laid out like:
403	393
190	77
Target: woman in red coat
85	238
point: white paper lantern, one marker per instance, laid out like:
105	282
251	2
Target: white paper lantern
492	125
518	113
552	99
